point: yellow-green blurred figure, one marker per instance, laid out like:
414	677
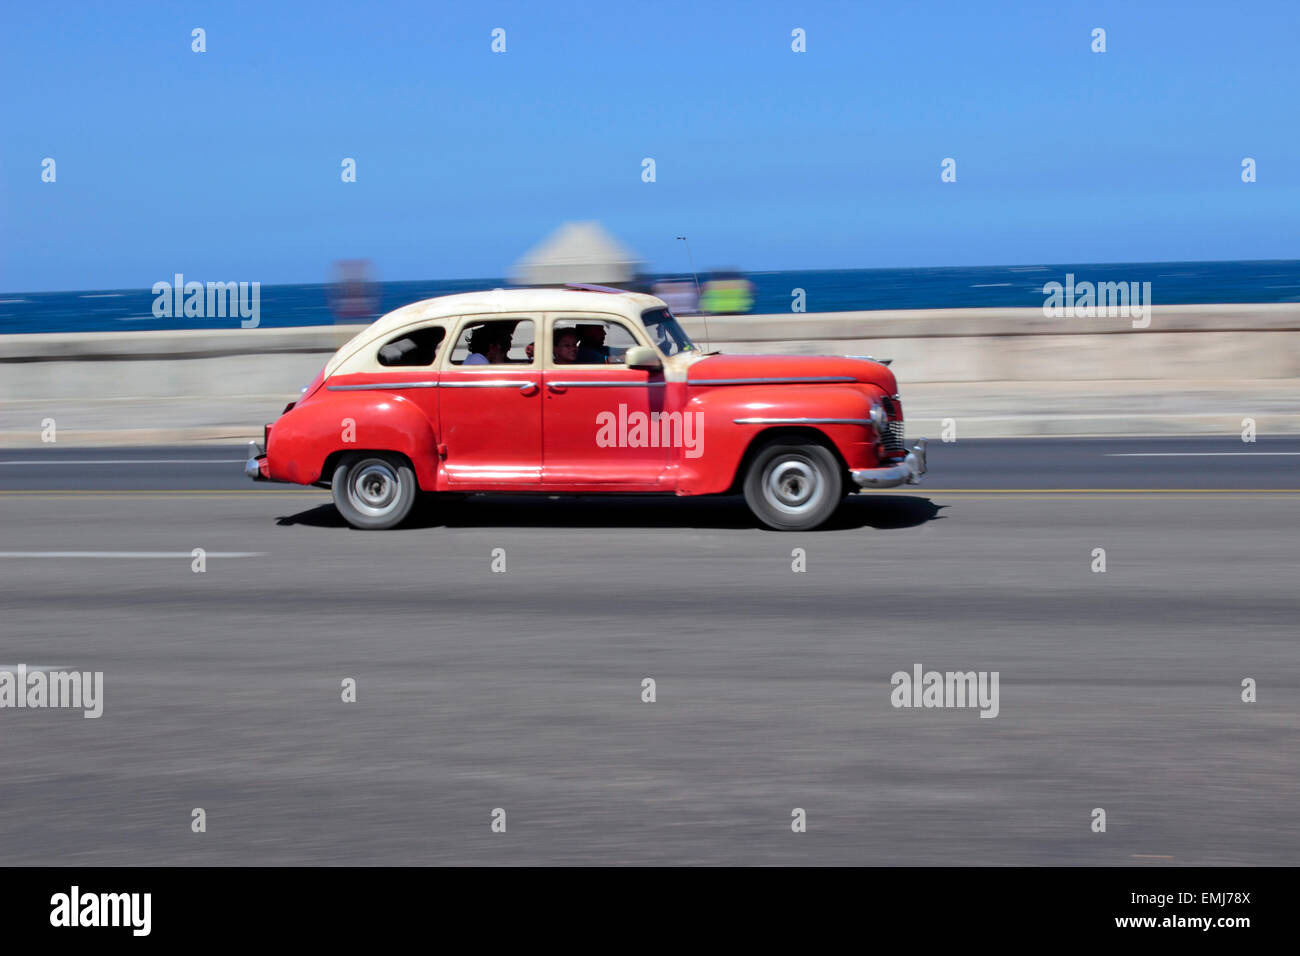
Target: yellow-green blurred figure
727	295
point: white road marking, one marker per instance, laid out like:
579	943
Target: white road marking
128	554
130	461
1194	454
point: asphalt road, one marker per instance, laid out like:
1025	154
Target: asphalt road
522	690
970	464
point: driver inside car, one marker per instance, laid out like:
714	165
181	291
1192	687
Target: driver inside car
591	345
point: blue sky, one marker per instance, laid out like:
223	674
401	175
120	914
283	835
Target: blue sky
225	165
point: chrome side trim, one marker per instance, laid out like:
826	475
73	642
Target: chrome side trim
488	383
771	381
616	384
871	358
380	386
802	421
907	472
480	383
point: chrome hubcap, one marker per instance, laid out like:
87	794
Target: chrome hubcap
373	488
792	485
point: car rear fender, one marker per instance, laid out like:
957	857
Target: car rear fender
305	439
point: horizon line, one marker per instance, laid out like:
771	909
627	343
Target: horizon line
504	282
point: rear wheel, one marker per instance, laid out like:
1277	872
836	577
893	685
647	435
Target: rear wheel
374	491
793	487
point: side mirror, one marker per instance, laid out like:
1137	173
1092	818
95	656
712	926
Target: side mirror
642	356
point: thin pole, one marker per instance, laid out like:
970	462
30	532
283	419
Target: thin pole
699	296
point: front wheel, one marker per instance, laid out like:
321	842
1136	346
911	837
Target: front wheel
793	487
374	491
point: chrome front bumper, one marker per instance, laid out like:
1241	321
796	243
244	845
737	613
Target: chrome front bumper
253	467
906	472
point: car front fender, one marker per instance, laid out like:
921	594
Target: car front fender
733	418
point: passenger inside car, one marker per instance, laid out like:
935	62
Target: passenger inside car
566	346
488	345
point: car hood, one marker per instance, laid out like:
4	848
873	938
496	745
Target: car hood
776	369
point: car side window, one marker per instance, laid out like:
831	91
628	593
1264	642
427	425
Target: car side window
599	341
418	347
494	342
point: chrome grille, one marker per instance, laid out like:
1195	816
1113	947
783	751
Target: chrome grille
893	440
892	443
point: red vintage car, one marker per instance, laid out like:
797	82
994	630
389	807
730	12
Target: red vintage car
581	392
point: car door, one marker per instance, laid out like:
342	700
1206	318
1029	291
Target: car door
491	408
600	418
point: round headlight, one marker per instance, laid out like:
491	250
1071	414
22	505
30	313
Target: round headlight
879	418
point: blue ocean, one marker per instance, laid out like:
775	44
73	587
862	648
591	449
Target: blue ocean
835	290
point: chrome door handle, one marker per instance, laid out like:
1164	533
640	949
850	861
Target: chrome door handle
554	387
528	388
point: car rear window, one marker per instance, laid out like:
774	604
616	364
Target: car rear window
418	347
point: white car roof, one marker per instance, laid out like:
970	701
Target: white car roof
507	301
517	300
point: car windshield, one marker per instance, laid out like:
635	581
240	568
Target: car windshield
664	331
